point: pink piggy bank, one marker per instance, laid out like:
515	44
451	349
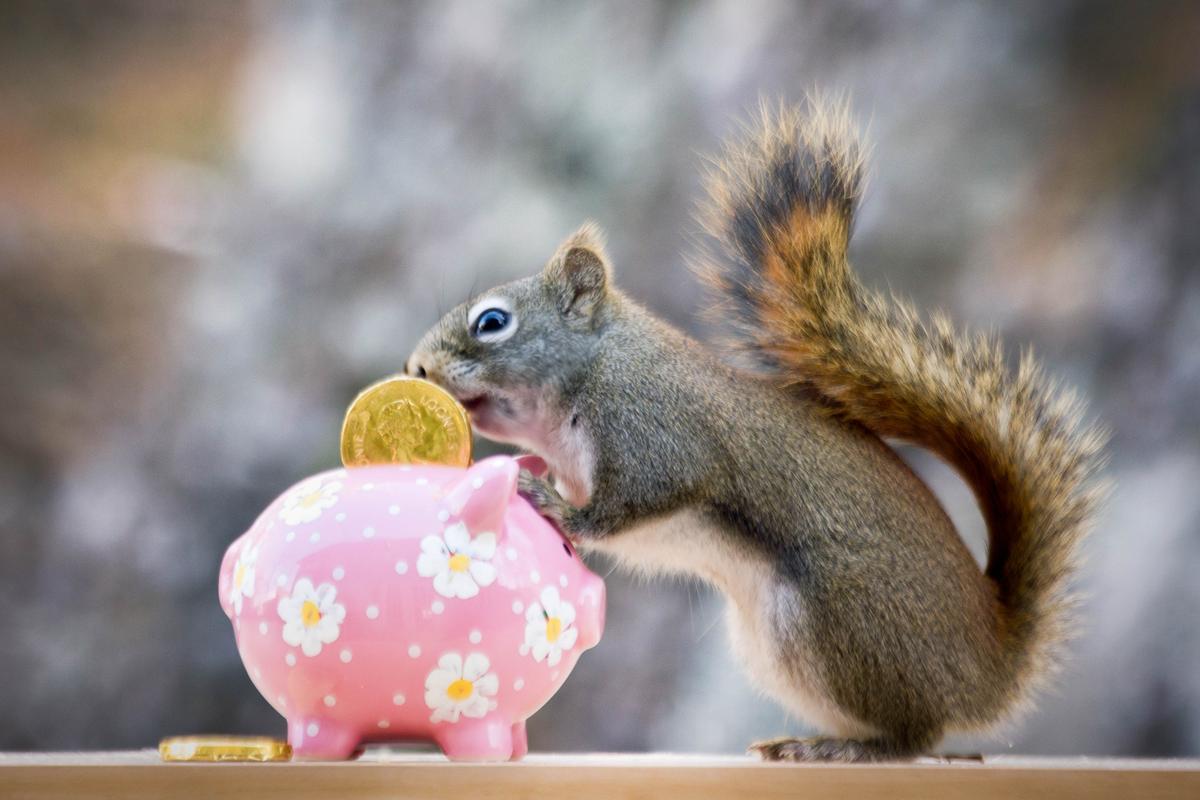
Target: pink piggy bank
392	602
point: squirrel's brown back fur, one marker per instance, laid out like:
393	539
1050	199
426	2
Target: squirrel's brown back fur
781	208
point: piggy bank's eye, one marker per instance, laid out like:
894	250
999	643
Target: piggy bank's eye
491	321
567	549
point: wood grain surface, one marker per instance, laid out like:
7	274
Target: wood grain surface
582	777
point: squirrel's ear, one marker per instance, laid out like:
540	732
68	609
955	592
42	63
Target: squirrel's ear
579	273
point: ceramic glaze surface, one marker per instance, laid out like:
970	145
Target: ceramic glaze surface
392	602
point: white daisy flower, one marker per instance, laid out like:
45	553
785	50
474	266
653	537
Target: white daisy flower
457	687
309	499
458	563
548	627
311	618
242	583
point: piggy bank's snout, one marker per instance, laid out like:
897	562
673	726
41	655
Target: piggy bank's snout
591	625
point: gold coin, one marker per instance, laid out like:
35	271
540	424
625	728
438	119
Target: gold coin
224	748
406	421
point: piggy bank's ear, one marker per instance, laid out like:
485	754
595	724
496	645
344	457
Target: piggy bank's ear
535	464
482	496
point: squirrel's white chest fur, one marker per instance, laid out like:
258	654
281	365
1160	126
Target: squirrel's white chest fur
567	448
689	543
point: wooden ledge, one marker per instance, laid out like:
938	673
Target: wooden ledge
388	774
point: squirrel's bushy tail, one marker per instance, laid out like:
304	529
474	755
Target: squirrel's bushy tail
782	202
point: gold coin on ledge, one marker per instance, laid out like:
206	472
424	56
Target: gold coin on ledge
404	420
224	748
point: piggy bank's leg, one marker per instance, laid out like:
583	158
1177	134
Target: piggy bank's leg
520	743
321	739
485	739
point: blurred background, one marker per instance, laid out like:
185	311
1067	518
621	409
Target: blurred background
219	220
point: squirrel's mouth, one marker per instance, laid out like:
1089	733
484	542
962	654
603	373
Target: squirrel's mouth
492	415
473	404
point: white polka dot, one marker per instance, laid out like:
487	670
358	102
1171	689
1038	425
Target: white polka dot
510	554
368	487
383	723
437	606
443	515
315	537
372	612
339	573
422	481
535	576
313	729
519	684
475	637
291	536
477	483
518	606
330	700
401	567
393	510
562	581
405	467
341	516
398	699
281	580
290	658
368	532
345	656
262	628
414	651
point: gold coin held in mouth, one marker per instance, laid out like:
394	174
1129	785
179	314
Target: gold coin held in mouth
404	420
224	748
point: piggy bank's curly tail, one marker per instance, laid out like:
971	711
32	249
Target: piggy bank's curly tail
782	201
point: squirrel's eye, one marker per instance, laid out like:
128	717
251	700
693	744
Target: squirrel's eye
493	320
490	321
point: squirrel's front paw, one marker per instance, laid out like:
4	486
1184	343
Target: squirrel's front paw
543	497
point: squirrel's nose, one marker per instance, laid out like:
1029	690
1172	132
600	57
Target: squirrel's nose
415	368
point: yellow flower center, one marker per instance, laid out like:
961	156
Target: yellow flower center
311	499
460	690
459	562
553	629
309	614
239	576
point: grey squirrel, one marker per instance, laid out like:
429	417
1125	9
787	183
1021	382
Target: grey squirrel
851	598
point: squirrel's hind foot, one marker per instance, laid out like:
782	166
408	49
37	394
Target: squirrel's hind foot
829	750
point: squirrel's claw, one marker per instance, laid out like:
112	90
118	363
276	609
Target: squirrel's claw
544	498
828	749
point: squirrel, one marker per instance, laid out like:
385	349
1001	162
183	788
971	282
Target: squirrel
851	598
